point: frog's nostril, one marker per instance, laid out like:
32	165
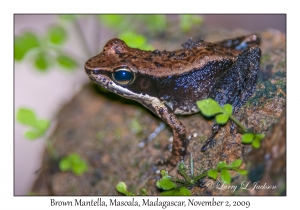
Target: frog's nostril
96	71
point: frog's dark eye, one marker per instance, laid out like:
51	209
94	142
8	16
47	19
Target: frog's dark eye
123	76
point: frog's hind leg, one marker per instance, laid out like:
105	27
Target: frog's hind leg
252	56
236	84
248	62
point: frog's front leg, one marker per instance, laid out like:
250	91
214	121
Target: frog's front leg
179	135
179	131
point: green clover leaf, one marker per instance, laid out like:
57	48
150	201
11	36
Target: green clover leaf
165	184
66	62
38	127
133	39
57	35
24	43
73	163
247	138
212	174
225	176
122	188
221	165
209	107
235	164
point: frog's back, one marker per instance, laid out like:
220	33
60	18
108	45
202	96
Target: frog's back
157	63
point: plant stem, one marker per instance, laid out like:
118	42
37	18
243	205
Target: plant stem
177	180
200	176
192	165
187	178
238	123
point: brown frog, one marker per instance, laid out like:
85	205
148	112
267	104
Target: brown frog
170	82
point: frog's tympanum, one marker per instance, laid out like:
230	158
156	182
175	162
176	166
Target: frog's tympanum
170	82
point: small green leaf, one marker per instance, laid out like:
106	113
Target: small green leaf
181	166
257	139
164	174
259	136
222	119
256	143
187	21
31	40
19	50
80	168
74	158
221	165
212	174
66	62
122	188
42	125
65	164
24	43
185	24
247	138
225	176
237	163
26	117
41	62
209	107
165	184
228	109
32	135
242	172
135	40
57	35
74	163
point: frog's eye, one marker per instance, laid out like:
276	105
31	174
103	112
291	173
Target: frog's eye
123	76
